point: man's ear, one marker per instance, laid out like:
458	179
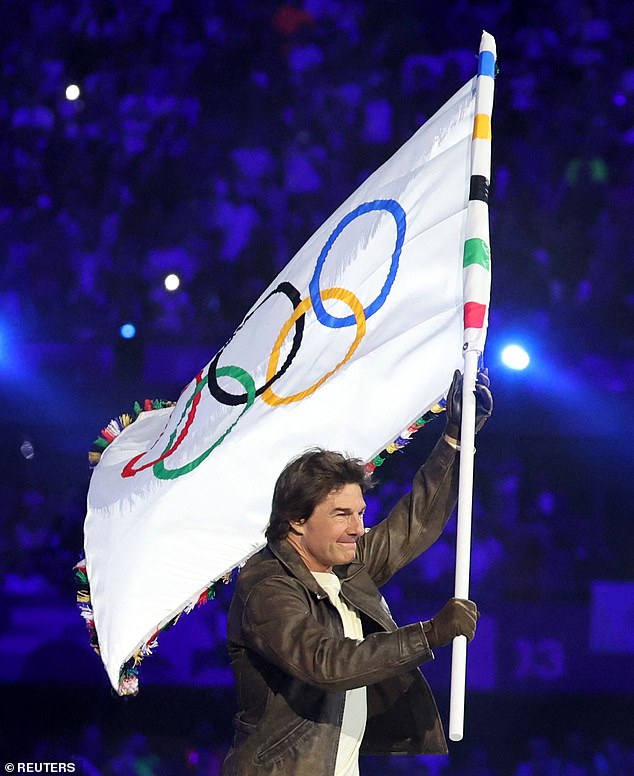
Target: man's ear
297	526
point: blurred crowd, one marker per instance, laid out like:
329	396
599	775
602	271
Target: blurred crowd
540	534
135	754
210	139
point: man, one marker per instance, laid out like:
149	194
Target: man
322	670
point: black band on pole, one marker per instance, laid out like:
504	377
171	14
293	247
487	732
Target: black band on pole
479	188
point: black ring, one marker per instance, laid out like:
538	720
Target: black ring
233	399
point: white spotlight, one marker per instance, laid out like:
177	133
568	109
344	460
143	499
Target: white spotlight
72	92
172	282
515	357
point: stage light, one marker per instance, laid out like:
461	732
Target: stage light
172	282
72	92
128	331
515	357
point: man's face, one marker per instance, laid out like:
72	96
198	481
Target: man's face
329	536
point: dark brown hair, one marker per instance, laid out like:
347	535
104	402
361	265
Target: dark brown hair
306	481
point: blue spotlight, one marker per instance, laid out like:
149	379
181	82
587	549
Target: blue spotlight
515	357
128	331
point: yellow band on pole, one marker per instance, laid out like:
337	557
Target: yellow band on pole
482	126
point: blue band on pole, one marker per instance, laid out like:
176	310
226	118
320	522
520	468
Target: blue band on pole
486	64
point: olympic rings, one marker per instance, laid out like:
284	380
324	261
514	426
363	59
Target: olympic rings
297	319
389	205
355	305
245	379
224	397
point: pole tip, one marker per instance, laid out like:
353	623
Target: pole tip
487	43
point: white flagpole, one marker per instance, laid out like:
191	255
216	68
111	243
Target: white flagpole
463	542
476	292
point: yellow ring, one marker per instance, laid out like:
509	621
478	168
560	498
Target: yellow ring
269	396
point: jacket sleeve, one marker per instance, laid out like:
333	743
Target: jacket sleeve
278	625
417	520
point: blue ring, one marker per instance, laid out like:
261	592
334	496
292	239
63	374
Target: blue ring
391	206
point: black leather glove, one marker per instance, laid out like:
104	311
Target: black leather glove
458	617
484	403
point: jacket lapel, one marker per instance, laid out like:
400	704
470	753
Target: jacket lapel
356	587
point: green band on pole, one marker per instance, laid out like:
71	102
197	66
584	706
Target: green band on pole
476	251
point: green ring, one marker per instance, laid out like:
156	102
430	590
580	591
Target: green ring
248	383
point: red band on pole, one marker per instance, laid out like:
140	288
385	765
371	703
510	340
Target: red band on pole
474	313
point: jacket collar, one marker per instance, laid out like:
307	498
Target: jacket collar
291	560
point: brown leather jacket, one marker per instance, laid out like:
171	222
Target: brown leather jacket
292	664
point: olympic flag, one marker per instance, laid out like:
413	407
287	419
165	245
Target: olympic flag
354	341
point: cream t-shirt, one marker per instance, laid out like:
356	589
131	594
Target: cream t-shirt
355	707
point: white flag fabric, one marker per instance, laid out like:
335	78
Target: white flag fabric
356	338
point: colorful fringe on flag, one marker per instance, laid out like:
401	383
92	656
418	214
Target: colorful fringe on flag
129	673
405	437
116	426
